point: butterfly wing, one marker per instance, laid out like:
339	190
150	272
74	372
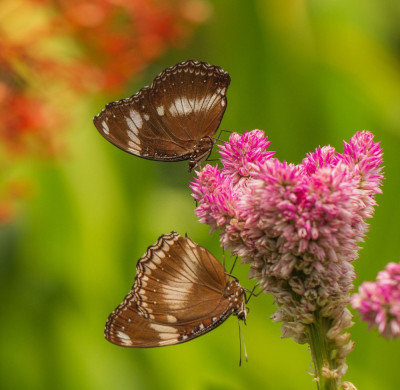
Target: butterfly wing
192	96
127	327
164	122
178	281
178	295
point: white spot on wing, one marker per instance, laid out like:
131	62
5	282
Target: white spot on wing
181	106
133	137
105	127
191	243
187	105
199	103
163	328
143	283
171	318
134	148
174	110
146	117
179	295
156	260
124	337
137	119
184	106
151	265
160	110
132	126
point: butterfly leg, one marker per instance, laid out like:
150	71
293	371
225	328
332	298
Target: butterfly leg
252	293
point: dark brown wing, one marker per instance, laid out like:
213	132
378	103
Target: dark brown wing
164	122
192	96
178	294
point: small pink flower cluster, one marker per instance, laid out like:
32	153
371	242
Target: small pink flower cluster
379	302
297	225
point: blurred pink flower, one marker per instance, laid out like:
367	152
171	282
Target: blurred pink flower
379	302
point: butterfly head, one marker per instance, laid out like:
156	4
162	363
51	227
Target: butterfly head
201	150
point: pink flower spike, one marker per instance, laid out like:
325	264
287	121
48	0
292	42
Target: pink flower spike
322	157
379	302
363	156
243	151
208	180
213	192
299	228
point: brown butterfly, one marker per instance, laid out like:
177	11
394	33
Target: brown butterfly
174	119
181	291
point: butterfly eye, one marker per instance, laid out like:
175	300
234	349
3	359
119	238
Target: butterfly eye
174	119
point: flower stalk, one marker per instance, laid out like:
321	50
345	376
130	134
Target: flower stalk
321	349
328	354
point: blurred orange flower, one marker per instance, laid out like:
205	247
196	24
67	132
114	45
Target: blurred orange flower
77	47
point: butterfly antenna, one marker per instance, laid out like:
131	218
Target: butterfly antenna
241	339
233	265
230	273
216	139
222	131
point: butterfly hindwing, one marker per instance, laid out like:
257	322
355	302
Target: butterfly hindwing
127	328
185	280
192	97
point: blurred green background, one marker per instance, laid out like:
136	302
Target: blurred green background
308	73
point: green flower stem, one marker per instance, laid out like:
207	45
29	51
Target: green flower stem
322	352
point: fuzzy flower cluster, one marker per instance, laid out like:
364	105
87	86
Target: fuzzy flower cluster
72	49
297	225
379	302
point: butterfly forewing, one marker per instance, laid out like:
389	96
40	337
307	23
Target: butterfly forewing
180	292
167	120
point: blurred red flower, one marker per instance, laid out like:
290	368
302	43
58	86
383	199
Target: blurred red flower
76	47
